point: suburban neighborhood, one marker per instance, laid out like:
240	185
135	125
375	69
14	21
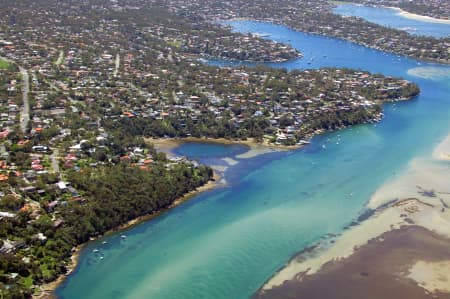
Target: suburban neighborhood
82	84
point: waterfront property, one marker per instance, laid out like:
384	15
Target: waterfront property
276	204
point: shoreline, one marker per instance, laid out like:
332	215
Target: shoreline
368	45
409	262
401	12
417	17
48	289
167	145
419	197
397	216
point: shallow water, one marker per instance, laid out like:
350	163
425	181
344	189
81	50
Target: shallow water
225	243
391	18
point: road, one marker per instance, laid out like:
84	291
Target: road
60	58
25	112
54	157
116	70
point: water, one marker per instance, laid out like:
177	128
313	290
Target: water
209	150
390	17
225	243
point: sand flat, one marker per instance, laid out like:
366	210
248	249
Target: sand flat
403	213
432	276
418	17
230	161
379	269
442	151
426	179
342	248
418	198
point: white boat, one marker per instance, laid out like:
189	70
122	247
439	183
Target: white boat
303	142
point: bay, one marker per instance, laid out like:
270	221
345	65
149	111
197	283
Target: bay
225	243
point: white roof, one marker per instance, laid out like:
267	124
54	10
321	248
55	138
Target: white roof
61	185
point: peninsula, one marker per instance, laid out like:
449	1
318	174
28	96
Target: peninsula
316	17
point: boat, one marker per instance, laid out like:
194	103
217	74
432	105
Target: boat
303	142
95	250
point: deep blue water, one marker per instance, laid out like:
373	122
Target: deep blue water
390	18
225	243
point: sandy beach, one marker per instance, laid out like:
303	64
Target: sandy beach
417	17
47	290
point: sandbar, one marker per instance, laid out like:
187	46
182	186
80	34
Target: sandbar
380	269
417	17
343	247
414	206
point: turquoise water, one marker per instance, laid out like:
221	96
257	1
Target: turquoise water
390	18
225	243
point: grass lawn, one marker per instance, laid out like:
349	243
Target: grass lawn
3	64
27	282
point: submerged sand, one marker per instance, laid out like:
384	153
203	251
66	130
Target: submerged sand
419	198
430	72
380	269
402	213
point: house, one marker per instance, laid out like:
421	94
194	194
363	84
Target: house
40	148
61	185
